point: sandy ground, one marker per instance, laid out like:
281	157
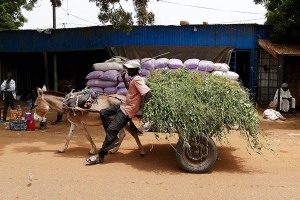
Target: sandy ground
30	168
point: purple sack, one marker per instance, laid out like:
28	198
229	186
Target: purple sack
122	91
101	83
175	63
97	89
94	75
110	90
191	63
161	63
110	75
148	64
205	65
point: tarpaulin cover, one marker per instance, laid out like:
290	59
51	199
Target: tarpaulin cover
216	54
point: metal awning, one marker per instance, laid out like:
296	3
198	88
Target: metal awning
277	50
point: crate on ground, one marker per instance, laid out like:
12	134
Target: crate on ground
17	125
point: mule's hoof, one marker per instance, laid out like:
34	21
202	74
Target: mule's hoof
142	154
112	152
92	152
61	150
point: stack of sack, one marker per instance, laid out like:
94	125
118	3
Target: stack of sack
222	69
161	63
107	77
196	65
147	65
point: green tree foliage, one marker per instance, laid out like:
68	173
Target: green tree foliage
31	3
111	11
196	105
11	17
284	17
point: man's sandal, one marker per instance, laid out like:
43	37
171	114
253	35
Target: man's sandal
93	160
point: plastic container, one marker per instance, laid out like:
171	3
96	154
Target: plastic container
31	125
28	116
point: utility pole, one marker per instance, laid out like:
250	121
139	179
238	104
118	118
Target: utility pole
54	54
54	16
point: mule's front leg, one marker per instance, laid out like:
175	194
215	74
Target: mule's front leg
93	150
69	136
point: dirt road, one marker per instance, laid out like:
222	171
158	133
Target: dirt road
30	168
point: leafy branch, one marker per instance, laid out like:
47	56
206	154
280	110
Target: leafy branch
194	105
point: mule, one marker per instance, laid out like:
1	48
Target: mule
51	100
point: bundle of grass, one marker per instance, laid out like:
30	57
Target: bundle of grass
200	105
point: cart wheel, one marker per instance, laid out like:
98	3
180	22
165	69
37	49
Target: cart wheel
192	160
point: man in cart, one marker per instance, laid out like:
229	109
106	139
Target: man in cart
137	96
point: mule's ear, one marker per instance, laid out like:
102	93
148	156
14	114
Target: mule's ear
40	92
44	88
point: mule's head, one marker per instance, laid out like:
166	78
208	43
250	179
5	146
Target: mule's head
41	106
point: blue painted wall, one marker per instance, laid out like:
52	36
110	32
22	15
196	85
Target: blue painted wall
241	36
19	43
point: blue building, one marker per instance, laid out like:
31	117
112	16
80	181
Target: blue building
38	57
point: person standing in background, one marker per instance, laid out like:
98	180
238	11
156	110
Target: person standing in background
286	100
8	87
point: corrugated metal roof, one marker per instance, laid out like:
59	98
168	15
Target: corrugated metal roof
280	49
239	36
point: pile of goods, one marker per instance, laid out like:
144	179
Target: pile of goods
81	99
20	120
200	105
106	76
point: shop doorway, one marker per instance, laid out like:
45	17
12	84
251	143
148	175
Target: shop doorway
243	66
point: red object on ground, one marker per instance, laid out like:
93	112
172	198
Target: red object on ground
31	125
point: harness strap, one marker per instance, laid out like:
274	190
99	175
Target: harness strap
121	100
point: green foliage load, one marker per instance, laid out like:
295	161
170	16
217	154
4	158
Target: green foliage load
194	105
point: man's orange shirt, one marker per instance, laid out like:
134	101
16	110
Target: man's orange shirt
137	88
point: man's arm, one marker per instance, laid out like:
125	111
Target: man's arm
3	86
12	85
287	95
123	74
145	98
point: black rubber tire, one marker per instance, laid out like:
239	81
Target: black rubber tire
192	161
